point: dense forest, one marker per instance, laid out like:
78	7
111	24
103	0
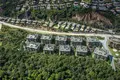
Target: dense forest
17	64
8	7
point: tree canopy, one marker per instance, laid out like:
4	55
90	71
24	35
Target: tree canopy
17	64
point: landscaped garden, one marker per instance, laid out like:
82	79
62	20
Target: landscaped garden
115	53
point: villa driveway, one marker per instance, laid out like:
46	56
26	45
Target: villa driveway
105	45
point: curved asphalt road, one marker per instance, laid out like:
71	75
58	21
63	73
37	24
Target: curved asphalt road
58	33
105	45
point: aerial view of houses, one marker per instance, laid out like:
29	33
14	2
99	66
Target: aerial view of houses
60	40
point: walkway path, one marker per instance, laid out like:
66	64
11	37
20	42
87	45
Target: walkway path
105	45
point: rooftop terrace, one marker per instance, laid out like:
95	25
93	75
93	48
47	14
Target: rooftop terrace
65	48
92	39
32	36
61	38
81	49
46	37
101	51
33	45
49	47
76	39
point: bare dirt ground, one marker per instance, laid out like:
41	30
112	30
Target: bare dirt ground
91	18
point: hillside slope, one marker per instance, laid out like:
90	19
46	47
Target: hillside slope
92	18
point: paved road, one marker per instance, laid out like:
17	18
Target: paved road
105	45
59	33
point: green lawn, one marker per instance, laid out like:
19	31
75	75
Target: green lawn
114	53
0	43
87	1
92	55
100	38
56	27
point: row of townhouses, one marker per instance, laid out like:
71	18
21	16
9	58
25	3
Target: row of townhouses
45	4
103	5
114	43
20	21
60	25
75	27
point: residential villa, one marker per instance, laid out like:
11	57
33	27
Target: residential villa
61	40
49	48
33	38
32	47
76	40
81	50
46	39
100	53
64	49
